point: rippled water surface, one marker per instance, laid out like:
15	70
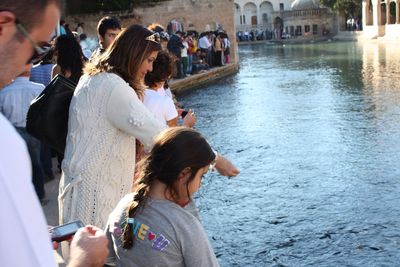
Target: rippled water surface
315	130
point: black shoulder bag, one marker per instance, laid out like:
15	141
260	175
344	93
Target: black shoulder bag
47	117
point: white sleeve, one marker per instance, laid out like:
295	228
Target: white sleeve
25	240
169	93
169	109
127	113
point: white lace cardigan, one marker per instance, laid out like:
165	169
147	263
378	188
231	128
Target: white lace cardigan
105	117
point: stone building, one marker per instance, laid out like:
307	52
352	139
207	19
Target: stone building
308	19
199	15
299	18
381	19
258	13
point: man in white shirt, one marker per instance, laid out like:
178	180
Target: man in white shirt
204	42
206	47
15	99
25	25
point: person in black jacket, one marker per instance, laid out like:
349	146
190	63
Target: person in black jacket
175	46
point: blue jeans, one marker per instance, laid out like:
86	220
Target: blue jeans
34	152
45	159
190	60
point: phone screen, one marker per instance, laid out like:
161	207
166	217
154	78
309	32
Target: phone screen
68	228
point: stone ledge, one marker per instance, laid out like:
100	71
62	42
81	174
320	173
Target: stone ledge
201	79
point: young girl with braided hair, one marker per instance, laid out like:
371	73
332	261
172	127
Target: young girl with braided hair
158	224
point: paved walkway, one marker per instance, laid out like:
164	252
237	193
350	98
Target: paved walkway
50	209
50	206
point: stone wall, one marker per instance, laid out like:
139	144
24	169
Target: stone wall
323	18
198	15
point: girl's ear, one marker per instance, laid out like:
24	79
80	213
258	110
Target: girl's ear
185	173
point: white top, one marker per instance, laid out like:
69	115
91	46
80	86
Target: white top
105	118
24	236
165	92
184	51
168	93
16	98
204	43
161	106
227	43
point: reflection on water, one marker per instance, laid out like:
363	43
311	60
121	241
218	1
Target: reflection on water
315	130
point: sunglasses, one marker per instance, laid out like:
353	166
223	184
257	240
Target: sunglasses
38	51
155	38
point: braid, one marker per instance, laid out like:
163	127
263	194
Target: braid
141	188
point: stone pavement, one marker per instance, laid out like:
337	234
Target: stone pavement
50	208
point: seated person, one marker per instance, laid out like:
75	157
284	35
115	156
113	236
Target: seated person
199	63
158	224
155	98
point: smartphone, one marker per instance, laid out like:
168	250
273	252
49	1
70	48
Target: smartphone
65	231
184	113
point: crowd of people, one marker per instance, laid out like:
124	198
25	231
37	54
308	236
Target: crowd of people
127	167
353	24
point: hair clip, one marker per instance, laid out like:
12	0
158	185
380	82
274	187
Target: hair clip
130	220
155	38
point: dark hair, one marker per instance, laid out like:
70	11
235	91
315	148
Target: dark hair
48	58
83	36
28	12
125	56
69	56
175	149
162	69
107	23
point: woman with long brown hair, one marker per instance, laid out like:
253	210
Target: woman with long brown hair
106	117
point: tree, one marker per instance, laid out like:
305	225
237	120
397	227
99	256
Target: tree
94	6
351	8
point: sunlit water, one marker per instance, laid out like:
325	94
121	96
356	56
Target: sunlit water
315	130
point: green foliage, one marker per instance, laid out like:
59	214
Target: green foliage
95	6
351	8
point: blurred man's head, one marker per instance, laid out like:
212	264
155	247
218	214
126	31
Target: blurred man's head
22	33
107	29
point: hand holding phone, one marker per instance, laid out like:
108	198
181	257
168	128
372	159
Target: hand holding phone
184	113
65	231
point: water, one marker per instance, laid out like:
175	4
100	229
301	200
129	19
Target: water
315	130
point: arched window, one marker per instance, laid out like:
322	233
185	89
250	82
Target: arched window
238	15
369	13
250	13
266	10
383	14
392	12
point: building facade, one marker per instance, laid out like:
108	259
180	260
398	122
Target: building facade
259	13
293	19
199	15
381	19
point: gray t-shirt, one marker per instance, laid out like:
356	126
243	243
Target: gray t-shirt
165	235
